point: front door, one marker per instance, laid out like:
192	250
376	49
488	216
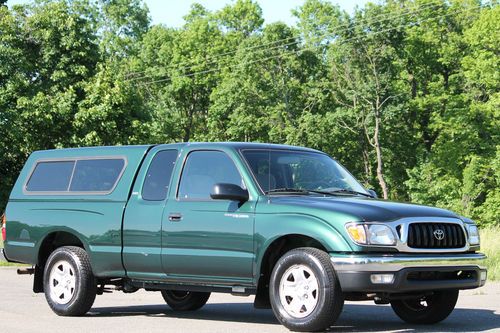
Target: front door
206	239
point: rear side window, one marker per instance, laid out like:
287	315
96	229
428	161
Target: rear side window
53	176
157	180
97	175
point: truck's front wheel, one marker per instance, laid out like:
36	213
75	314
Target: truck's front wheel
427	310
185	300
69	285
304	291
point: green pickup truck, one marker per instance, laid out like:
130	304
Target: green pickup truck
288	224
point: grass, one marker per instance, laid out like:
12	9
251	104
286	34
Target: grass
13	264
490	245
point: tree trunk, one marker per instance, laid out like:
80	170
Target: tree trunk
378	150
366	162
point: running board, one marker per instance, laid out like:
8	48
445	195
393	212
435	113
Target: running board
157	286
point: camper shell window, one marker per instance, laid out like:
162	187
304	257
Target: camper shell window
74	176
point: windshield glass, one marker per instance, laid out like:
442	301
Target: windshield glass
280	169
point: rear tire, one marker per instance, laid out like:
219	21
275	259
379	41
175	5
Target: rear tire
185	300
428	310
69	285
304	290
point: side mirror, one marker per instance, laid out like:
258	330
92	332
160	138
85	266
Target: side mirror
224	191
373	193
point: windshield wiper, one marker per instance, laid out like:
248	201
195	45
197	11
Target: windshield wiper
287	190
343	190
304	191
321	192
297	190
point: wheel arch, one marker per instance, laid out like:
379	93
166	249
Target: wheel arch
322	237
57	238
48	243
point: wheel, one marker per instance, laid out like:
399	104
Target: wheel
427	310
304	290
185	300
69	285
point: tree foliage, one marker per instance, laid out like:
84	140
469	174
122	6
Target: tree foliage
404	93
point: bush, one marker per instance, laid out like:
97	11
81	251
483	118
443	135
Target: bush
491	247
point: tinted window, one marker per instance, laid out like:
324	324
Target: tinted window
51	176
155	186
203	169
98	175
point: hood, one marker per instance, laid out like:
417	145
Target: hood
365	209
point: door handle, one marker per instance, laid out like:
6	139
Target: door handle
175	217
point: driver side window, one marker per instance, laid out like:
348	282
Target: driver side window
204	169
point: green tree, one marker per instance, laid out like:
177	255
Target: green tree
404	93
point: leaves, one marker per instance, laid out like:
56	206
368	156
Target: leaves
404	93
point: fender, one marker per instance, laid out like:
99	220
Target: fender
64	230
270	227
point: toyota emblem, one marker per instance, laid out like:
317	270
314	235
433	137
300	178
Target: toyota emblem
439	234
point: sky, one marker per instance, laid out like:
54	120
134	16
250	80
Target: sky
170	12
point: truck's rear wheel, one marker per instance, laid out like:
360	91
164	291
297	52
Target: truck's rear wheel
428	310
185	300
304	291
69	285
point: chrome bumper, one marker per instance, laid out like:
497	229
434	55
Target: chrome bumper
382	263
409	273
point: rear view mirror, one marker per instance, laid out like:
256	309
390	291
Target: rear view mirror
373	193
224	191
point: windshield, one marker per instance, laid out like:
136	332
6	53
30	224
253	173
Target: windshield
299	170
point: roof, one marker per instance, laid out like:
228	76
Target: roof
251	145
118	149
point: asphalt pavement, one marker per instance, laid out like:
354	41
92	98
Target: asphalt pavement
23	311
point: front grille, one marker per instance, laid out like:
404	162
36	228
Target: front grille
436	236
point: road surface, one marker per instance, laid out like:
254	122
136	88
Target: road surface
22	311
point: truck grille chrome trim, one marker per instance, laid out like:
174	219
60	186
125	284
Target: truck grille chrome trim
416	235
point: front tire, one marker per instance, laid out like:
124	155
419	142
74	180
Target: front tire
185	300
69	285
304	290
427	310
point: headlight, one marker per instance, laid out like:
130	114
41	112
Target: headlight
371	234
380	234
473	234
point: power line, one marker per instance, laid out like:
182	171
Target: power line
305	49
213	59
221	55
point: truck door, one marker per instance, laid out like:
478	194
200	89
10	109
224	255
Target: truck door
204	238
143	215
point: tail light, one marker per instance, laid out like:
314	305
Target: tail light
4	225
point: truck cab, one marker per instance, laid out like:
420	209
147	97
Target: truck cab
288	224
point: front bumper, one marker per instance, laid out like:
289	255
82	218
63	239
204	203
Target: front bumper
410	272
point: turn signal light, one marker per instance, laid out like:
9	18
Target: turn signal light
4	225
357	233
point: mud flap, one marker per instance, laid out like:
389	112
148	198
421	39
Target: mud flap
38	280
